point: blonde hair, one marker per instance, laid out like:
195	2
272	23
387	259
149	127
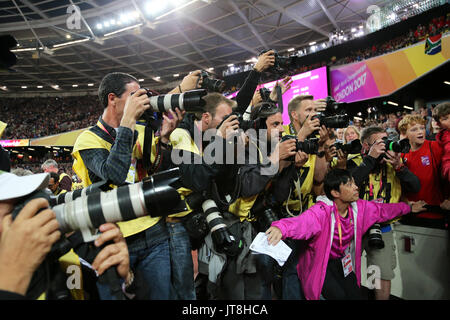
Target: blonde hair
355	129
409	120
294	104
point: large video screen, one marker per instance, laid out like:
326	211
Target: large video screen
383	75
313	83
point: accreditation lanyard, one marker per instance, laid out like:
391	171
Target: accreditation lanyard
101	126
338	219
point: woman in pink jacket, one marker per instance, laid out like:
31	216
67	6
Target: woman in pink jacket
330	264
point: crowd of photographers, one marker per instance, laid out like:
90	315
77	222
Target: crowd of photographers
163	176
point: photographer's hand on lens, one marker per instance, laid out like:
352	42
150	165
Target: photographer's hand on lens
170	124
301	158
256	98
135	106
286	149
229	127
265	61
394	159
285	85
308	127
191	82
274	235
377	149
324	134
341	159
24	244
330	152
115	254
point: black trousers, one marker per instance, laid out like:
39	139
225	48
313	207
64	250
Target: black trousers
338	287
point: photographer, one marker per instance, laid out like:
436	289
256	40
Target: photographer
340	218
113	151
240	278
302	109
247	94
196	176
25	242
382	177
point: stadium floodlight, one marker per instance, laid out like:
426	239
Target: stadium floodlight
99	26
291	49
39	87
176	75
90	84
409	108
447	82
231	65
141	80
393	103
312	43
23	87
106	24
156	78
74	86
155	7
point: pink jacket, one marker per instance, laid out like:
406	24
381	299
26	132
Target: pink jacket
317	225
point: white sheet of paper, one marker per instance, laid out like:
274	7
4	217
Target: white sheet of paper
280	252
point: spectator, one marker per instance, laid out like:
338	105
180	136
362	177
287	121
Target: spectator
442	116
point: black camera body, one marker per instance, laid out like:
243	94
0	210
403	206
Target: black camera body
309	146
334	115
282	63
400	146
375	239
352	147
265	94
210	84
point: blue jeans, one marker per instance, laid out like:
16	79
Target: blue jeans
150	257
292	289
181	262
265	266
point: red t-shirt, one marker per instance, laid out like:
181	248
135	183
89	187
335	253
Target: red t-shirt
425	165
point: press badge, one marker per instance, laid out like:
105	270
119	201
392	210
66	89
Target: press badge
347	265
131	176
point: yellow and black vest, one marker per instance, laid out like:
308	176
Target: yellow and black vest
306	175
181	139
90	140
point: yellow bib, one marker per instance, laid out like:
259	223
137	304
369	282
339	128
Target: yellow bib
89	140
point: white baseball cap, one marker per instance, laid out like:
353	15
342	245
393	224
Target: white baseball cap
12	186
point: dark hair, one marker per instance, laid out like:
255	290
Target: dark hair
334	179
369	131
55	176
441	110
114	82
264	110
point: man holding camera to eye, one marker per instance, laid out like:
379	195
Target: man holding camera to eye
114	150
381	177
310	172
26	240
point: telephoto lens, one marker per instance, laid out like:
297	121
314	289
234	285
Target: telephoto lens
375	239
210	84
191	101
352	147
224	241
401	146
153	196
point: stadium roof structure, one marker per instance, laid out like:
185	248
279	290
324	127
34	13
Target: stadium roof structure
60	48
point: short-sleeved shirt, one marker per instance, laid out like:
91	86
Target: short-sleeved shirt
425	164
